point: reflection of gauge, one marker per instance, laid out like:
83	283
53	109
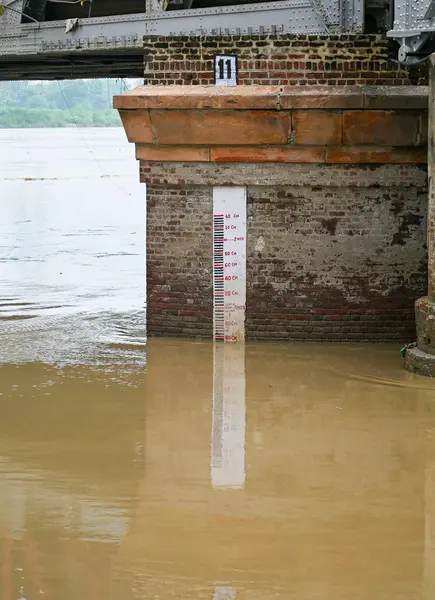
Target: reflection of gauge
228	428
223	592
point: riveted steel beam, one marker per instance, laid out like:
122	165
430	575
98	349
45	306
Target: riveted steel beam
120	33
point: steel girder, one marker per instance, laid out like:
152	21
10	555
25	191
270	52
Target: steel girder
414	29
125	33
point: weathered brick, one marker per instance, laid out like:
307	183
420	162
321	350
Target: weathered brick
343	250
356	59
313	275
179	283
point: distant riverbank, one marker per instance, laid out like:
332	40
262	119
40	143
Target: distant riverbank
52	104
22	118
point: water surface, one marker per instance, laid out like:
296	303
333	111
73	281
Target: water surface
271	471
72	231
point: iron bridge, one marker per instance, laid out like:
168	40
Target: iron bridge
62	39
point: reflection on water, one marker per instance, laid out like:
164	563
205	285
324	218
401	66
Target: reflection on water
105	486
71	454
268	471
229	415
224	593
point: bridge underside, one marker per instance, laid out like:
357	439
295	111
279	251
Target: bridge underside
73	65
51	39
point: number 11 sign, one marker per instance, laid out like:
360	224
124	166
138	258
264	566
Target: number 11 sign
225	70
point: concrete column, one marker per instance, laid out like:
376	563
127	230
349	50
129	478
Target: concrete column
420	358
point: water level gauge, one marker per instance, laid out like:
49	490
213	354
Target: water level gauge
229	263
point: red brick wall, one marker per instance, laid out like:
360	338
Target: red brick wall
337	255
179	261
335	251
334	263
278	60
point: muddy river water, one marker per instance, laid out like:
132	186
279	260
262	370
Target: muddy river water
171	469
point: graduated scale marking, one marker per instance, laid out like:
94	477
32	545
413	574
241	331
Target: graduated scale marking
229	263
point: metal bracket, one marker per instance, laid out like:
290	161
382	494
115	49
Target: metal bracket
409	51
413	28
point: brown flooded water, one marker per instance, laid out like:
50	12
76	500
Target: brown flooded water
269	471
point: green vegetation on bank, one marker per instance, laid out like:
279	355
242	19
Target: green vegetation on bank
46	117
82	103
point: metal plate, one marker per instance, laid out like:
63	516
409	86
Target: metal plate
413	17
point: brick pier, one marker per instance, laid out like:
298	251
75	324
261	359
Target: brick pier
337	194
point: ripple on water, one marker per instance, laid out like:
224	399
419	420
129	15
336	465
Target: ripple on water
72	289
74	338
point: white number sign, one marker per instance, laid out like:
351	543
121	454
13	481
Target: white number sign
225	70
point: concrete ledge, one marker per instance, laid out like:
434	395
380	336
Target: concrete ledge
317	127
371	155
199	97
341	125
254	97
374	127
213	128
425	324
280	154
419	362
